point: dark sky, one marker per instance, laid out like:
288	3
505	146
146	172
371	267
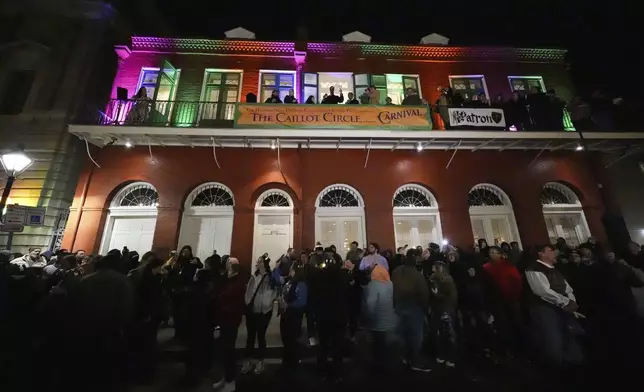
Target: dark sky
599	37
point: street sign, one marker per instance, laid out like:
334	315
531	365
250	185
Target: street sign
35	216
15	214
12	228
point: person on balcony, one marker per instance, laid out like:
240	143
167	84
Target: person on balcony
274	98
352	100
332	99
374	95
141	107
412	98
290	98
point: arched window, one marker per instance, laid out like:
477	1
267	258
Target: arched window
416	217
274	198
212	194
138	194
273	233
491	215
339	217
207	221
563	214
132	218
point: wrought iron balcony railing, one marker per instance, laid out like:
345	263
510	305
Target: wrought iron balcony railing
222	115
162	113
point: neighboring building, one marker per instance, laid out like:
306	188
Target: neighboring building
52	62
175	169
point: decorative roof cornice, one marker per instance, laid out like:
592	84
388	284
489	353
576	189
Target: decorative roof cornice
440	53
198	45
409	52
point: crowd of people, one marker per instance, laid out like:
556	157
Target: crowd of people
564	309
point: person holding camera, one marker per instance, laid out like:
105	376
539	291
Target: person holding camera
261	292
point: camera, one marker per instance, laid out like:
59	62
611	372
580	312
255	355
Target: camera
266	258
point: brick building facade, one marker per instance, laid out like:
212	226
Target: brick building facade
216	186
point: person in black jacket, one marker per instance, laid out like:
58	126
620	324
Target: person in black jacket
332	98
274	98
412	98
328	289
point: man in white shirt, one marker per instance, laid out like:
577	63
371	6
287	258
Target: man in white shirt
552	311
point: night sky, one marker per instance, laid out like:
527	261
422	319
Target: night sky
600	38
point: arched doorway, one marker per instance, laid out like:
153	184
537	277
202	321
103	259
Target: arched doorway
131	219
339	217
273	229
491	215
207	223
416	217
563	214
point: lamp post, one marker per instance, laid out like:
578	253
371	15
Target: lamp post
14	163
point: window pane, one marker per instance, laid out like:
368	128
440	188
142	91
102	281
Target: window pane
232	78
150	77
328	232
478	229
551	227
569	225
212	94
410	83
266	93
379	81
311	78
283	93
164	93
426	231
403	233
500	231
269	79
350	233
311	91
286	80
362	79
214	78
231	95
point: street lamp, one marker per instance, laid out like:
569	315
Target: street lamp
14	163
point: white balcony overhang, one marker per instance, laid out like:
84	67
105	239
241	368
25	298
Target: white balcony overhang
103	135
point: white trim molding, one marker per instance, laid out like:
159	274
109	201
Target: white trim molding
430	212
273	211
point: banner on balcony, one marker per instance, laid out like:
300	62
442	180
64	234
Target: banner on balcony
332	116
470	117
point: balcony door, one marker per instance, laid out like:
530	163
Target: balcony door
164	91
220	94
362	81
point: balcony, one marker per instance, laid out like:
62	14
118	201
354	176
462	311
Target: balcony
189	123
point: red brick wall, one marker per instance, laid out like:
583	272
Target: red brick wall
304	173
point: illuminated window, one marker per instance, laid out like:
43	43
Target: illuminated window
468	85
523	84
491	215
416	217
563	214
220	93
281	81
339	217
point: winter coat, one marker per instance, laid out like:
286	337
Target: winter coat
378	306
267	291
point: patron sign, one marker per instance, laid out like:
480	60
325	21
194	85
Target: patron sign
471	117
332	116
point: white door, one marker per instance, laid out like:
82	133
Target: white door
272	236
494	229
206	234
340	232
567	226
415	231
134	232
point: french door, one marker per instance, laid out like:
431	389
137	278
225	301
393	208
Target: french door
567	226
415	231
340	231
494	229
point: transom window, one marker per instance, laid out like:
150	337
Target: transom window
483	197
523	84
137	195
469	85
213	195
220	93
410	196
148	80
275	199
553	195
276	80
339	196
